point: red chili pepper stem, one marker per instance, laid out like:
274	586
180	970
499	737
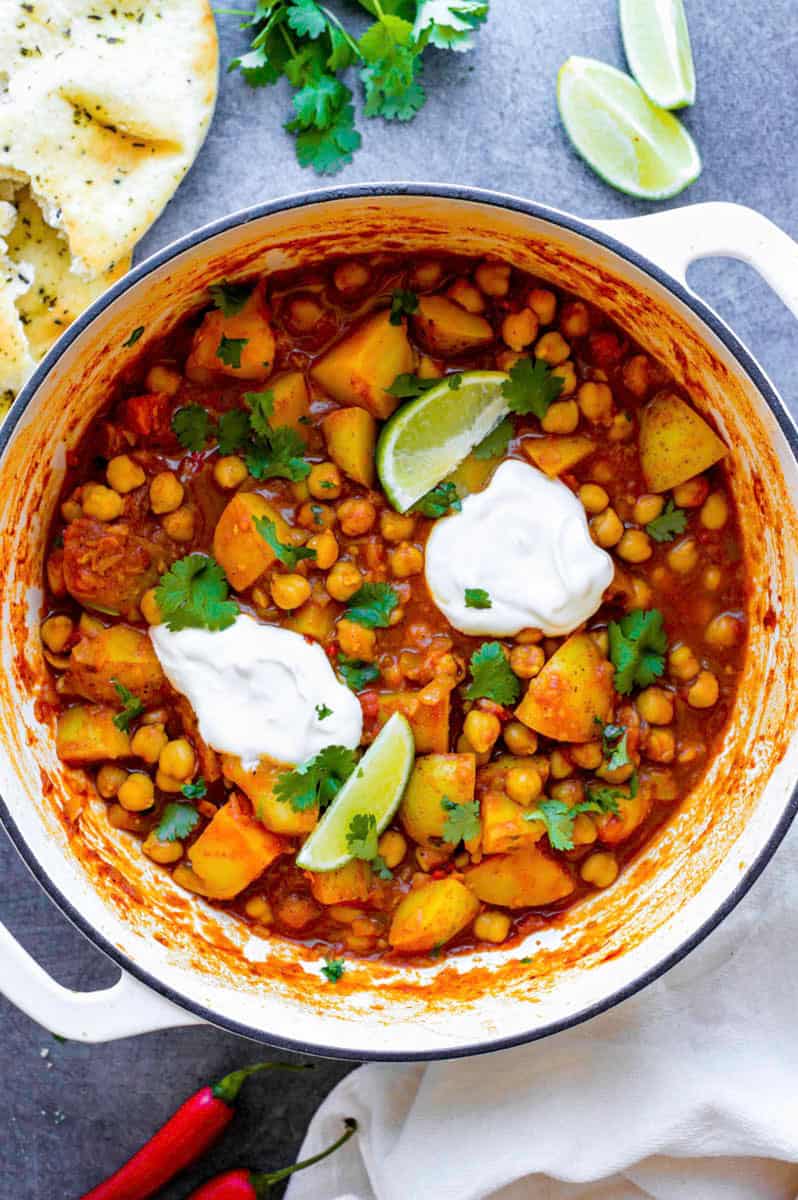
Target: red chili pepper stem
263	1182
227	1089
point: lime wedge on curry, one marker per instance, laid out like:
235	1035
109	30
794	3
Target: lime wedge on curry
373	789
657	45
631	143
427	438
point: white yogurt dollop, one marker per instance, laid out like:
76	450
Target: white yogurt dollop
258	690
524	541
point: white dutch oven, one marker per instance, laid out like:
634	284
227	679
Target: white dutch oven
181	961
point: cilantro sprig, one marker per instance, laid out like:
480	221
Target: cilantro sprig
403	304
333	969
496	443
269	450
462	822
195	790
362	841
192	427
288	555
356	673
372	605
177	822
316	781
559	818
438	501
229	351
637	649
614	744
410	387
477	598
532	387
132	707
193	594
491	676
669	524
230	298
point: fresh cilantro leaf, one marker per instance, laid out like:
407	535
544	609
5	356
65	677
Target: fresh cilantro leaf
408	387
229	351
192	426
317	103
613	745
289	555
278	455
671	522
306	18
232	430
193	595
177	822
462	822
403	303
134	337
333	969
477	598
195	790
131	706
322	712
316	781
532	388
491	676
438	501
637	648
605	797
361	836
455	381
261	410
392	67
449	24
372	605
230	298
356	673
496	443
327	150
559	818
380	867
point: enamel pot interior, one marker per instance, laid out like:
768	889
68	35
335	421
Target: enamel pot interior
672	894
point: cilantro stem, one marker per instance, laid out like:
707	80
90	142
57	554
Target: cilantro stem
289	41
350	41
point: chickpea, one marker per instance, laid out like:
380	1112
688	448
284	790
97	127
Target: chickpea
177	759
428	368
529	637
635	546
396	527
587	755
313	515
561	767
259	909
148	741
527	661
167	783
567	373
692	493
89	625
553	349
304	313
714	511
406	560
594	498
655	705
137	793
325	547
164	379
166	492
621	427
574	319
351	276
299	490
392	847
642	592
683	557
519	740
636	375
229	471
520	329
150	610
600	869
356	516
682	663
584	830
492	926
505	360
543	303
463	292
101	502
109	780
179	525
56	632
356	641
289	591
120	818
723	630
562	417
427	274
607	528
493	278
712	578
603	472
343	581
660	745
570	791
324	481
71	510
523	783
162	852
704	692
647	508
123	474
595	401
482	730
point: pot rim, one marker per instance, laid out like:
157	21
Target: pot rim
457	193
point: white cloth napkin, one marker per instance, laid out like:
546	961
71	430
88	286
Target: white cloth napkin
687	1091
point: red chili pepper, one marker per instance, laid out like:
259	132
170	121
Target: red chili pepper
248	1185
187	1134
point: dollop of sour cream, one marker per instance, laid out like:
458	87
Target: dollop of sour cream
524	541
259	691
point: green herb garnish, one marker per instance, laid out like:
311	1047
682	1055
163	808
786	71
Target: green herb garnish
438	501
372	605
669	524
288	555
477	598
193	594
333	969
462	822
496	443
132	707
230	298
532	387
195	790
403	304
316	781
192	427
177	822
491	676
410	387
356	673
637	649
134	337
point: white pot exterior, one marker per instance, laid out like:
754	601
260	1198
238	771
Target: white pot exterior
603	949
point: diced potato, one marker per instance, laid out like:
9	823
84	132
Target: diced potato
570	694
87	734
343	885
351	435
526	879
675	443
290	399
503	825
434	777
233	850
358	369
472	475
312	620
429	722
251	326
121	653
446	329
659	784
632	811
432	915
553	455
238	547
258	785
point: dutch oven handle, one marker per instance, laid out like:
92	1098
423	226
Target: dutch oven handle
678	237
126	1008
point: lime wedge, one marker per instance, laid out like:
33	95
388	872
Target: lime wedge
631	143
657	45
427	438
374	789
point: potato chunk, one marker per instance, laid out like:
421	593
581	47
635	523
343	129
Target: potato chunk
358	369
632	812
250	326
351	882
553	455
238	547
313	620
119	653
503	825
429	722
290	399
258	785
233	850
526	879
86	734
434	777
432	915
570	694
351	435
446	329
675	443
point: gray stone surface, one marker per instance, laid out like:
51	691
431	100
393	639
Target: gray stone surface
71	1114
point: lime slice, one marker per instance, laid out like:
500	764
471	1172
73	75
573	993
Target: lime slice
638	148
657	45
375	789
427	438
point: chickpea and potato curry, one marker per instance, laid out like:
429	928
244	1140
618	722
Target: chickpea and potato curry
234	471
